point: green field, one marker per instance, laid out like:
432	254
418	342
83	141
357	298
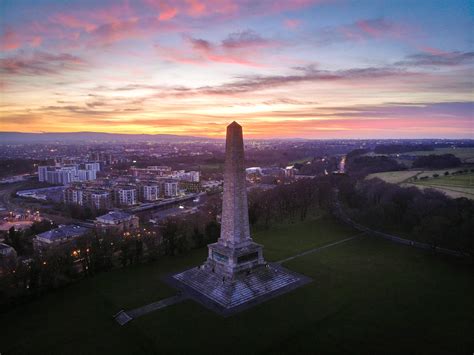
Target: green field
395	177
452	185
368	296
464	181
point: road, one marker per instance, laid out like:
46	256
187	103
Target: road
6	191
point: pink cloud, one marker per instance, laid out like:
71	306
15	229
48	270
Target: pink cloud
133	28
36	41
13	40
166	10
116	31
168	14
70	21
201	55
292	23
433	51
10	41
242	48
196	7
372	28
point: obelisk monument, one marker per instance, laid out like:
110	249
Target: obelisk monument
235	230
235	276
235	252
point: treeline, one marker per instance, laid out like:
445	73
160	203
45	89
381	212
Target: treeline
37	273
10	167
401	148
437	161
426	216
318	166
362	165
291	202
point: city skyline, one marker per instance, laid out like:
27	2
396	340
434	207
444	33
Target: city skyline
284	69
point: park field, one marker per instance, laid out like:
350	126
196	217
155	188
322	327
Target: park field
367	296
454	186
395	177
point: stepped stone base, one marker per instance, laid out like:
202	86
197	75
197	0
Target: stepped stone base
227	297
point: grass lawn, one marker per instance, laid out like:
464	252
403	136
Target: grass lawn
465	181
394	177
287	240
452	185
368	296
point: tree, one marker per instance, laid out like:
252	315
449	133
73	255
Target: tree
169	232
198	238
437	161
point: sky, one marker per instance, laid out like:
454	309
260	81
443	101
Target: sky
281	68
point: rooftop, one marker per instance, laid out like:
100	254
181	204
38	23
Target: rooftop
114	216
62	232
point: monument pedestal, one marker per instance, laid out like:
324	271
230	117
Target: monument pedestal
229	263
245	290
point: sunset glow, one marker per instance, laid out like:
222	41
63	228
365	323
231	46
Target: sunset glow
283	69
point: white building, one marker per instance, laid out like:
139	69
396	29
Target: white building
86	175
118	221
65	174
92	166
75	196
170	188
100	199
126	196
182	175
42	171
150	192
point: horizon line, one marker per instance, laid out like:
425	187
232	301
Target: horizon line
253	138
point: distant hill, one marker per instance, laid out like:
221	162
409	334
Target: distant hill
77	137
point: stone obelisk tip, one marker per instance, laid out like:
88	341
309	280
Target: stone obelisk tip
234	124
